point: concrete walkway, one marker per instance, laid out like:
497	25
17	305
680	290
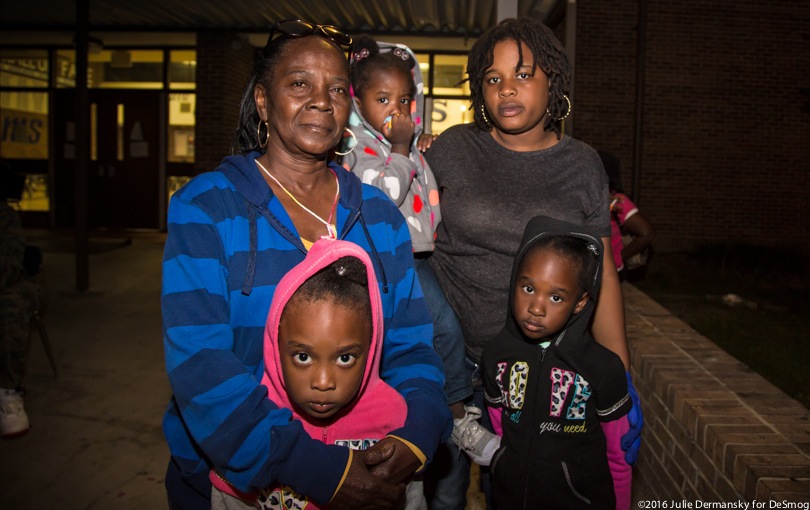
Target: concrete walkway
96	440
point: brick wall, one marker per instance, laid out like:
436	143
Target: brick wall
715	431
726	114
224	62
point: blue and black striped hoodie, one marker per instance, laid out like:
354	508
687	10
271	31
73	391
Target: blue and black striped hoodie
229	243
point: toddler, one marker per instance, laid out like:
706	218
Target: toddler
386	119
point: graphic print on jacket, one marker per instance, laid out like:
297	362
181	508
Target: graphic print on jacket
285	498
562	382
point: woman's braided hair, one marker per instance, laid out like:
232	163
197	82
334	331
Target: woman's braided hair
548	54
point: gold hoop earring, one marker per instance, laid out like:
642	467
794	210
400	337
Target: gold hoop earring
484	115
259	134
353	145
566	113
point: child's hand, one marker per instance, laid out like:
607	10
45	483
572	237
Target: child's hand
425	141
399	131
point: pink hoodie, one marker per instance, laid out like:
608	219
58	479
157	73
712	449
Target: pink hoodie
377	409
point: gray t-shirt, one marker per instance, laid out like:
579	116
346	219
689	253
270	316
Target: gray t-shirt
488	194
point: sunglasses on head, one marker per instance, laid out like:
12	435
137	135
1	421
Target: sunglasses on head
301	28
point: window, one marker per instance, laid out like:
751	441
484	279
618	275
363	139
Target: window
35	193
447	98
24	78
183	69
424	66
182	115
448	72
23	125
181	127
449	112
28	77
174	183
125	68
24	68
24	136
113	69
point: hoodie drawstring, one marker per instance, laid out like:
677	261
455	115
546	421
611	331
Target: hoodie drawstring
247	286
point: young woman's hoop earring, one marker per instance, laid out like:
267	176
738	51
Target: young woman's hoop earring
353	145
484	115
566	113
266	135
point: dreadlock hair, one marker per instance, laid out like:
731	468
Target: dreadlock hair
548	54
343	282
367	61
245	137
575	250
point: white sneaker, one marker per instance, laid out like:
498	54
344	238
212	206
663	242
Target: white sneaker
476	441
13	419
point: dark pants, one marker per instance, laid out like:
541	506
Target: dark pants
447	479
187	493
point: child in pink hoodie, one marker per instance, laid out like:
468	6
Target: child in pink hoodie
322	345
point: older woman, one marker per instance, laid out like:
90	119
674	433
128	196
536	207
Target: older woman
233	233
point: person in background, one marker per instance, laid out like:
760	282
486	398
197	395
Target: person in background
512	164
233	233
631	233
558	399
327	371
386	117
19	298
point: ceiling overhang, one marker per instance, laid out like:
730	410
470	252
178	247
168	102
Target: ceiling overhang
460	18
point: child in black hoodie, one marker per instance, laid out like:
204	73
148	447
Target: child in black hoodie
558	398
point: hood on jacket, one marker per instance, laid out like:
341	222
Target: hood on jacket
247	179
356	119
322	253
541	227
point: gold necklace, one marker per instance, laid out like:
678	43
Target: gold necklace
330	227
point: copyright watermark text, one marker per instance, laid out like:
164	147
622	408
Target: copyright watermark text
653	504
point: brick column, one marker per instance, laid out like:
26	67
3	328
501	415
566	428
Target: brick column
224	61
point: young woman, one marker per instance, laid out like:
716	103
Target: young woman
512	164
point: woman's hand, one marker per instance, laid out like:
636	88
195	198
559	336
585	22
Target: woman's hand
392	460
362	489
